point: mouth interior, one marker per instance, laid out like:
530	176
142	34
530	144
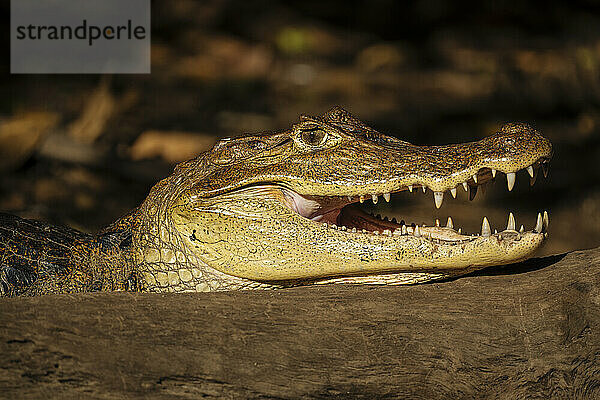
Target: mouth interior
344	213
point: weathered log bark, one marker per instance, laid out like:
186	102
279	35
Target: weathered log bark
531	330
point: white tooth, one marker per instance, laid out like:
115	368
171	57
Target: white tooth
397	232
453	192
361	199
437	222
375	232
410	187
538	224
439	198
387	232
354	230
343	227
493	173
424	188
334	226
417	231
510	179
387	196
374	198
404	229
530	170
510	226
475	178
364	231
545	220
485	228
350	198
465	186
459	231
495	231
522	229
450	224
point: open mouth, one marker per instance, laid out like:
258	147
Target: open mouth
343	213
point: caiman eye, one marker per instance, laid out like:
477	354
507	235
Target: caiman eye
314	136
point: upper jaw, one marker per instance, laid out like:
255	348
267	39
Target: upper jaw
337	196
379	186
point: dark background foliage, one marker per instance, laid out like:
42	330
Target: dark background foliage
84	149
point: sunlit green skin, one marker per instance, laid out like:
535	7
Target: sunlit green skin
207	227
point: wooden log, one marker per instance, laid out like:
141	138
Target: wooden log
526	331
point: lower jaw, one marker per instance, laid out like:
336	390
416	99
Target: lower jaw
443	248
398	259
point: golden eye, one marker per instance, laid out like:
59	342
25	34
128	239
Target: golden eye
314	136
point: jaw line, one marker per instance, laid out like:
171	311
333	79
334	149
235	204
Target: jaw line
333	211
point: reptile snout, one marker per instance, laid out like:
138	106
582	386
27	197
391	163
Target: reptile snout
521	138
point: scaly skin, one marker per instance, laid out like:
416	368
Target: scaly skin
262	212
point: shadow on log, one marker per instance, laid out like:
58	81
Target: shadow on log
526	331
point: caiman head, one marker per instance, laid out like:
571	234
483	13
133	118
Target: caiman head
279	209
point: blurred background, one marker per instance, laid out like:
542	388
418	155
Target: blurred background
82	150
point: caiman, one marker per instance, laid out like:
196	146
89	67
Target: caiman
276	210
